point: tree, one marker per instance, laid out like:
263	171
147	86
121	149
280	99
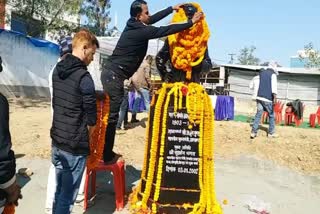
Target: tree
246	56
40	16
312	56
96	13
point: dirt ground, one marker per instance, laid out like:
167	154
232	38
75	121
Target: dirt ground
296	148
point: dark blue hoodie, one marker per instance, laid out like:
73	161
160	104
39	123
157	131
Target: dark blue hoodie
133	43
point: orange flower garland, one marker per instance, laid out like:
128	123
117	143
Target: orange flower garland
188	47
9	209
97	139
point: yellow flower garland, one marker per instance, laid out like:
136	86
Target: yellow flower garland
188	47
200	113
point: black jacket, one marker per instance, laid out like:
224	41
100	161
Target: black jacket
163	59
7	159
133	43
73	111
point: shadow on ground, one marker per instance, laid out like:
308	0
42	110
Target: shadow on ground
104	201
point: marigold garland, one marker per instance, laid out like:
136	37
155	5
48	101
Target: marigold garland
200	111
9	209
97	139
188	47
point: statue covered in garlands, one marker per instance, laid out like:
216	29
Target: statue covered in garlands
178	170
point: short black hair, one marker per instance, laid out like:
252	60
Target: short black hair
136	7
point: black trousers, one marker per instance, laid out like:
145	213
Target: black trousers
113	86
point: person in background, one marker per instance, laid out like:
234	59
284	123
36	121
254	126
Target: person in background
141	81
123	114
266	97
10	191
74	118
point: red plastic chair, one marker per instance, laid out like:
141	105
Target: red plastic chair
118	172
313	117
278	107
290	117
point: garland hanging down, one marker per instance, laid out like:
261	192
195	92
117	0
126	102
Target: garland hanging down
9	209
97	139
188	47
197	103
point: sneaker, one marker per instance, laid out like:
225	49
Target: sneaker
274	135
120	131
253	135
80	198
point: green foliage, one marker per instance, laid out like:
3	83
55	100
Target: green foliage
97	13
312	55
47	15
246	56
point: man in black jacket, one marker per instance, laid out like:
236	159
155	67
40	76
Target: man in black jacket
74	117
128	56
9	189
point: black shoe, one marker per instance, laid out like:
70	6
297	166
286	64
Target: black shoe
135	121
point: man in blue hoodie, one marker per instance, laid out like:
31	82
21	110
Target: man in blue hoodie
127	57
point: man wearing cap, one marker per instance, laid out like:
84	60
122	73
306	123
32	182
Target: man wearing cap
127	57
9	189
266	97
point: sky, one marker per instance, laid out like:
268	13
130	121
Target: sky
278	28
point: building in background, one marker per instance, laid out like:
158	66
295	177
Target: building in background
10	20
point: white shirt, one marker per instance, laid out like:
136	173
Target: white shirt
254	86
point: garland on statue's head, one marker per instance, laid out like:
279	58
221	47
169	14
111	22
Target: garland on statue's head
188	47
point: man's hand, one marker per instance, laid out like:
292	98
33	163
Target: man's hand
13	193
177	7
197	17
274	98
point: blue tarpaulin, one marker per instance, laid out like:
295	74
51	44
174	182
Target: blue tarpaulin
34	41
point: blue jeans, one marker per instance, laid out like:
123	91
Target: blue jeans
123	114
145	93
268	107
69	171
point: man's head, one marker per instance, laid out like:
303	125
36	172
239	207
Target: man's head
274	66
84	45
189	10
139	10
65	46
